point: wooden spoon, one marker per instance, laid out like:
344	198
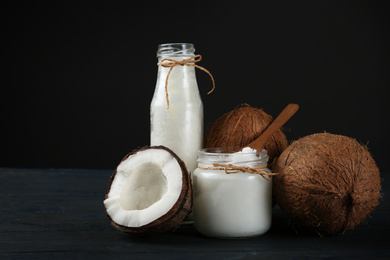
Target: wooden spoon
282	118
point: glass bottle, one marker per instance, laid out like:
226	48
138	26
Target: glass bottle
232	202
179	126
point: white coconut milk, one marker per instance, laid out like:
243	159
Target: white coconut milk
234	205
179	127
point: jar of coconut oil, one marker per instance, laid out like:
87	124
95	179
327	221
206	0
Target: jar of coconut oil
176	110
232	193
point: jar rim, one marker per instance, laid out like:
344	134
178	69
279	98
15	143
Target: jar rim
228	150
215	154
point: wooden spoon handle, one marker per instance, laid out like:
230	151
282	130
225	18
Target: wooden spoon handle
282	118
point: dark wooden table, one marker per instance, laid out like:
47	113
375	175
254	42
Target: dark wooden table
59	214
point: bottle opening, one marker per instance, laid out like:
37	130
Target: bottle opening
175	49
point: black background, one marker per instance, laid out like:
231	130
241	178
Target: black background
78	76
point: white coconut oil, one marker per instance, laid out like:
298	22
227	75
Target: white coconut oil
236	204
179	126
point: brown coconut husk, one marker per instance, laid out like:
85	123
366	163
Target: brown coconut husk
327	183
240	127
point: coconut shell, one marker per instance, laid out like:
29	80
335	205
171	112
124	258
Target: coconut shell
175	216
327	183
240	127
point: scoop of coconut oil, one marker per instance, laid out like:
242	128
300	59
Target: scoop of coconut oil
234	205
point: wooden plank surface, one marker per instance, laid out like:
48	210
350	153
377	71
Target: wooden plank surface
59	214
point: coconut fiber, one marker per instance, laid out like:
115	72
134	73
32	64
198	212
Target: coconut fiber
240	127
327	183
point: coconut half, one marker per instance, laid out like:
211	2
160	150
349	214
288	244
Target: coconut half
150	192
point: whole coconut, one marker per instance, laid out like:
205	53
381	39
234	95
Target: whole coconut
240	127
327	183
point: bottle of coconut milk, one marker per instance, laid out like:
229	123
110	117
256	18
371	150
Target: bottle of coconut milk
176	110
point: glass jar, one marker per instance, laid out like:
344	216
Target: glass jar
232	193
179	126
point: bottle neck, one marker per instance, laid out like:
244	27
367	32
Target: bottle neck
179	74
176	86
178	58
175	52
176	83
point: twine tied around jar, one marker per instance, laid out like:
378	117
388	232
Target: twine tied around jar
170	63
231	168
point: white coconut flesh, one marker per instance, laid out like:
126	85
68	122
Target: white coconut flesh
146	186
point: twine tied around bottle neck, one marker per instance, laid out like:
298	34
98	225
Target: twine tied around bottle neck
231	168
170	63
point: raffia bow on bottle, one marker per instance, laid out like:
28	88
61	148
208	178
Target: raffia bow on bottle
231	168
170	63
